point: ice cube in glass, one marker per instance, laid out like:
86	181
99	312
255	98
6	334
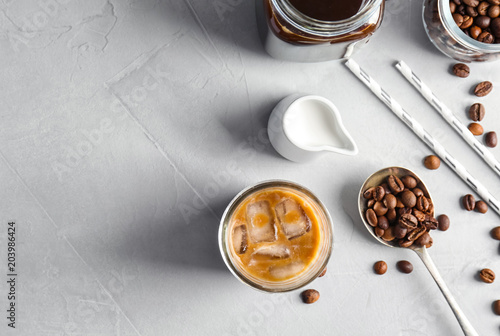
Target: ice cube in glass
292	218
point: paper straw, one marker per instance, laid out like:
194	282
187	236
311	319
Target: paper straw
456	166
448	115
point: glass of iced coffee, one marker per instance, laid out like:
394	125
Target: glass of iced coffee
276	236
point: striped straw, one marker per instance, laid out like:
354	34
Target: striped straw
456	166
448	115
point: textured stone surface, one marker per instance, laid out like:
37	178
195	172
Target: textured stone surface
127	127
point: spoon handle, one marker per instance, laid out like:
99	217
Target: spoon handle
466	326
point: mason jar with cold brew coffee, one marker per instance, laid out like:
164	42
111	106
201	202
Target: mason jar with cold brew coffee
317	30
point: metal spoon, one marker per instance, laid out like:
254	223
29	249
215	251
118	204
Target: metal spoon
377	179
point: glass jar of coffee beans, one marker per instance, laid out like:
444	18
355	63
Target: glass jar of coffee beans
466	30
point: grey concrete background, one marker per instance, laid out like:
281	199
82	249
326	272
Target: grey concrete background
127	127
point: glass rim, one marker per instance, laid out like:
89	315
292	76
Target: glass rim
232	206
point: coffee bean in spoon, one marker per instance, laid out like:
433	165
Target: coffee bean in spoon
409	181
395	184
408	198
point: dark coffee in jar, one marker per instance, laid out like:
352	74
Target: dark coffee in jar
328	10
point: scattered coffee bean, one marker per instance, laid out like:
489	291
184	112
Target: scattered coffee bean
469	202
380	267
495	233
460	69
477	112
481	207
432	162
404	266
444	223
483	88
490	139
322	273
487	275
496	307
476	129
310	296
